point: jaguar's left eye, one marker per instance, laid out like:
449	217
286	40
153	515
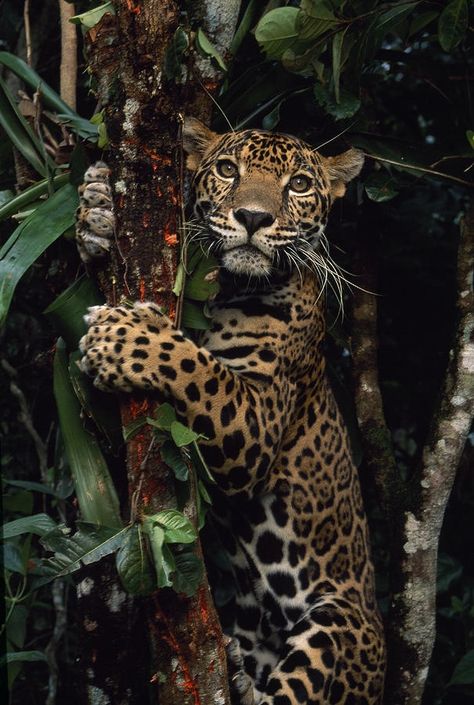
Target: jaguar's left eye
300	183
226	168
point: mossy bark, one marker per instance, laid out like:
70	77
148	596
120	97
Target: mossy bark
143	115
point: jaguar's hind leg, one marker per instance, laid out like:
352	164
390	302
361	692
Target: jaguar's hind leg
334	656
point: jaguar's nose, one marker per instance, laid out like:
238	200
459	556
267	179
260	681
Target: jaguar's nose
253	220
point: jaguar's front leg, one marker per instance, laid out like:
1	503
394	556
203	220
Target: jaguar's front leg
138	348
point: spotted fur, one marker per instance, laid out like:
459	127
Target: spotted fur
289	504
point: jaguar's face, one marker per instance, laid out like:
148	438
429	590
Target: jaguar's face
263	199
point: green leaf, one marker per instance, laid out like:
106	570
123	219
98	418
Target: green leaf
200	464
133	563
188	572
206	48
49	97
13	656
277	31
72	551
20	133
177	528
173	61
453	24
449	570
165	415
244	26
92	17
39	524
30	239
13	559
93	485
21	502
421	21
318	9
173	458
470	137
346	107
179	280
16	626
201	283
464	671
182	435
132	428
99	406
194	316
34	486
30	195
380	187
67	311
162	559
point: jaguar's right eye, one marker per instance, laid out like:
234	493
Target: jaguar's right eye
226	168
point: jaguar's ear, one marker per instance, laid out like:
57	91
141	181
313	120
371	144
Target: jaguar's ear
342	169
197	138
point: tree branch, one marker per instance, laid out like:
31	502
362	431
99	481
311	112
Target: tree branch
68	68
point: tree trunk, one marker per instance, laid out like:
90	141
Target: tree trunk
415	509
143	113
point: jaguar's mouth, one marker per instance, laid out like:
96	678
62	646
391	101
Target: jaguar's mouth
247	260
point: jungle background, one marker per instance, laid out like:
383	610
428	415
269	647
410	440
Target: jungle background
393	79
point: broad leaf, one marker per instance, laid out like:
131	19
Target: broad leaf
277	31
453	23
30	239
176	527
72	551
174	459
206	48
164	417
188	571
134	565
39	524
92	17
182	435
346	107
464	671
380	187
13	559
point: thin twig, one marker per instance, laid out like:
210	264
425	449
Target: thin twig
68	68
26	419
59	602
26	22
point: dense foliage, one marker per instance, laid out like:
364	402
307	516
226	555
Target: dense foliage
391	78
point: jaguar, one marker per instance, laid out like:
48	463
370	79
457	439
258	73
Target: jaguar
289	507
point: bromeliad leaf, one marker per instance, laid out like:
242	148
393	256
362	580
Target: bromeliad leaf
13	656
174	459
93	484
134	564
30	239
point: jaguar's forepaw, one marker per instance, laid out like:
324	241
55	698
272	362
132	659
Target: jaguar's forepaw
95	222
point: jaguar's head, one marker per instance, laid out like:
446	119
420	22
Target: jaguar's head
263	199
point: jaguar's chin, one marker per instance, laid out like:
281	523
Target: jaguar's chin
247	261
